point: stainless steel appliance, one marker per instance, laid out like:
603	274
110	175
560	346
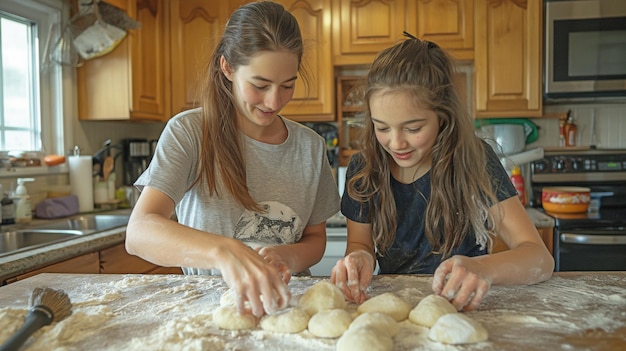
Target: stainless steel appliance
594	240
137	156
585	49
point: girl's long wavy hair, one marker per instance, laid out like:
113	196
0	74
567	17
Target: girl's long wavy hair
254	27
461	191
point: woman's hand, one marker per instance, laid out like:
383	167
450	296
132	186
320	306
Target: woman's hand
459	280
272	257
353	274
253	279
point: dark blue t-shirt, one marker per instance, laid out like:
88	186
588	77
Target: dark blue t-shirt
411	251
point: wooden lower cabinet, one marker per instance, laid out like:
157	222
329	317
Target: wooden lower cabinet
115	260
112	260
88	263
546	234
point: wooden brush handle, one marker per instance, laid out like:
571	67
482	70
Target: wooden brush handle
37	317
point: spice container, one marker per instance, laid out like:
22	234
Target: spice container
570	132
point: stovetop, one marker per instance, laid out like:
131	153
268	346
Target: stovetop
613	218
603	171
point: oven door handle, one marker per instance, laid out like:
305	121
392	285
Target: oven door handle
593	239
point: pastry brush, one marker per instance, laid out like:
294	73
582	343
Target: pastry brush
46	306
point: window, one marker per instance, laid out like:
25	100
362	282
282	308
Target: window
32	89
19	115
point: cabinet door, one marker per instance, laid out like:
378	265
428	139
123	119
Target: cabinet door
150	62
313	101
87	263
449	23
363	28
131	82
196	26
508	58
115	260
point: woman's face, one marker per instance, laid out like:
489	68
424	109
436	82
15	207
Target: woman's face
263	87
405	130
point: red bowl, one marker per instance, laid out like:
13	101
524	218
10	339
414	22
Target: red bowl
565	199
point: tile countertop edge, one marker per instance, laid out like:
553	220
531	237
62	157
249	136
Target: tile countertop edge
26	261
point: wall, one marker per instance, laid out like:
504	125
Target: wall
609	120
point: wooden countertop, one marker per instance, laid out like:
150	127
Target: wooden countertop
571	311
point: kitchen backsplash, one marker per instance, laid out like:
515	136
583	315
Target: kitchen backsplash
609	120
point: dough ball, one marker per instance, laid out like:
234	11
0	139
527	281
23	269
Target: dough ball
379	321
227	317
388	303
322	296
330	323
429	309
457	328
364	338
290	320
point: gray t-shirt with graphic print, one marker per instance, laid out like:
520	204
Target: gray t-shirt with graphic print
292	181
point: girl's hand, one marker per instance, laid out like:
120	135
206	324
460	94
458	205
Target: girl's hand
459	280
272	257
253	279
353	274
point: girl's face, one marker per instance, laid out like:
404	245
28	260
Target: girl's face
405	130
263	87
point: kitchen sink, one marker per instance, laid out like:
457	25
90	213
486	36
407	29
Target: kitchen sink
90	223
34	236
18	240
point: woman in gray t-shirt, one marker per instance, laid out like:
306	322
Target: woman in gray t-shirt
251	190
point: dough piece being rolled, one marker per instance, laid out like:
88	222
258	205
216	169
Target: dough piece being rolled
364	338
381	322
330	323
388	303
290	320
430	309
227	317
457	328
323	295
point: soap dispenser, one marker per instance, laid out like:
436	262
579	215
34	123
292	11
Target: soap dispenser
23	209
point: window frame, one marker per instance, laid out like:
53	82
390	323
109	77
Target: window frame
57	90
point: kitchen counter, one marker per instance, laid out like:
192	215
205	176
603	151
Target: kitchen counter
571	311
25	261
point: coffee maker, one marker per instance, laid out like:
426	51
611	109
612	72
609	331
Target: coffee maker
137	156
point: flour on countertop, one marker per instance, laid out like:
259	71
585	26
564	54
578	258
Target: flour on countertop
174	312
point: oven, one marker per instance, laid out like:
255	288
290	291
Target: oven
594	240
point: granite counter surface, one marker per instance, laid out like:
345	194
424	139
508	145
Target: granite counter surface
21	262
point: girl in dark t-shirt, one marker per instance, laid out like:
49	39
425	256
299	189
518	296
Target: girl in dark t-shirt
425	195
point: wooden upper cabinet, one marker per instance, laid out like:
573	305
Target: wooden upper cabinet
195	27
449	23
507	51
363	28
131	82
313	101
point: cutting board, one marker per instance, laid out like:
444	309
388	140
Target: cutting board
576	311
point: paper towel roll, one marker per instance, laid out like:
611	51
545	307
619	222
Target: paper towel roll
81	181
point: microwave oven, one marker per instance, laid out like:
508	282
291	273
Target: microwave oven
585	49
